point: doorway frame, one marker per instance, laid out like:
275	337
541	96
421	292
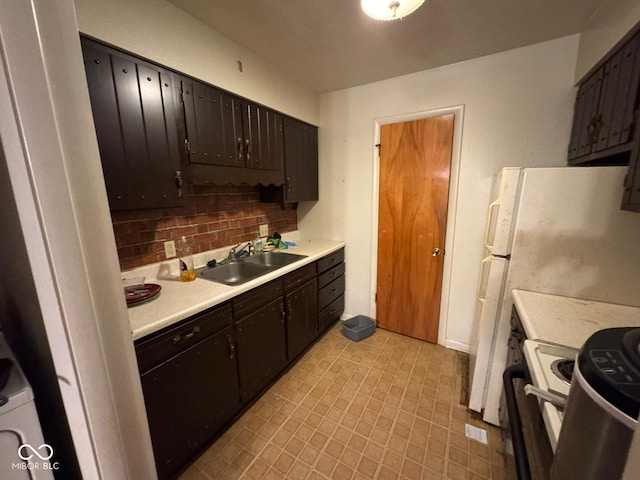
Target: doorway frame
452	206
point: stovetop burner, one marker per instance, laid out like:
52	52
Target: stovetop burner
563	369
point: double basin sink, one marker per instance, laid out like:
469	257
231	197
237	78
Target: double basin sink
240	271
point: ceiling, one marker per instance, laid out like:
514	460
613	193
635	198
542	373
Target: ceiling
331	44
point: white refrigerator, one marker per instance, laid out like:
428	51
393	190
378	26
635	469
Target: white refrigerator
550	230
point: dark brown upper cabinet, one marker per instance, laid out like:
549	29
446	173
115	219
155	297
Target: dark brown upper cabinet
150	120
263	137
301	161
229	139
631	197
605	109
214	125
133	105
300	165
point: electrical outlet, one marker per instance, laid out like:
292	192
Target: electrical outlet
264	230
170	249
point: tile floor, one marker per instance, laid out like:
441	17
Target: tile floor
387	407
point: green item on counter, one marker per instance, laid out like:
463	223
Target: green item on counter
277	243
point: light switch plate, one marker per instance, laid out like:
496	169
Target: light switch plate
264	230
170	249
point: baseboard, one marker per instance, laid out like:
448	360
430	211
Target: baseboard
461	347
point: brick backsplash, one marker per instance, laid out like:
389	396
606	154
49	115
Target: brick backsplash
214	217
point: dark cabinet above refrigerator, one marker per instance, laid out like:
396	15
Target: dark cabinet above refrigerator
605	117
605	109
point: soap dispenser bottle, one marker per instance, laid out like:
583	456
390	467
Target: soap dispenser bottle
257	244
187	271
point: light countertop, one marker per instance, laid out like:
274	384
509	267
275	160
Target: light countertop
569	321
180	300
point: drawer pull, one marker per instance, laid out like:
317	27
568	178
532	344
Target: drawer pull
232	348
183	338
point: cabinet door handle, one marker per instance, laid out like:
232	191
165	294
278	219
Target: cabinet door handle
283	316
183	338
239	140
179	183
247	143
232	348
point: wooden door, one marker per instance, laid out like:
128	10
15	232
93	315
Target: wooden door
415	159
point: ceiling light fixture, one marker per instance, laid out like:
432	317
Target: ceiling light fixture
390	9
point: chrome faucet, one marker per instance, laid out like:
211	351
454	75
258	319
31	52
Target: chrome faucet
231	256
235	254
249	249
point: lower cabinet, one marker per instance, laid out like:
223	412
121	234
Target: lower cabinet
190	395
302	317
197	376
331	285
262	352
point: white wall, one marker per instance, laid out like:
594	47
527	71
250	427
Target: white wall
605	28
518	109
53	163
161	32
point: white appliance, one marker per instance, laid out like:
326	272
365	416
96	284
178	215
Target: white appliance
493	271
550	230
21	443
542	360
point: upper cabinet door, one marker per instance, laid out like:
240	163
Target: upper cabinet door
213	132
226	131
263	137
133	105
620	84
301	161
604	112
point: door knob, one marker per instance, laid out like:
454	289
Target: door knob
435	252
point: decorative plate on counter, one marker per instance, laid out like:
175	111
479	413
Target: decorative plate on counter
137	294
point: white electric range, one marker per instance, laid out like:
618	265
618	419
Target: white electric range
550	367
555	329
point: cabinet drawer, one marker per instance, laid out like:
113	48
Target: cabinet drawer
331	275
330	260
299	276
330	313
330	292
254	299
161	347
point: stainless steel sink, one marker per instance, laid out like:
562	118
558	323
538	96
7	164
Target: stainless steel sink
234	273
274	259
241	271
